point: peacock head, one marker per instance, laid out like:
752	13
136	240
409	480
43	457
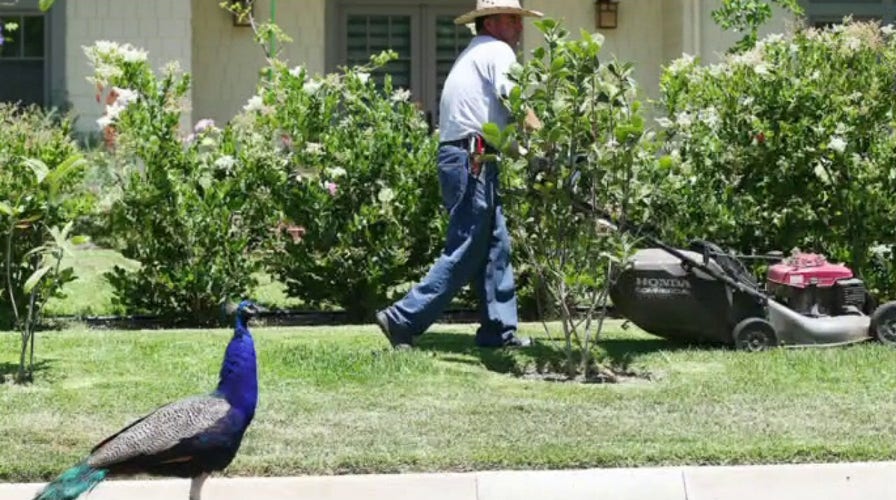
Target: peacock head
242	311
247	309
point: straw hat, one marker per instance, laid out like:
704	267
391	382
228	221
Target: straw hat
491	7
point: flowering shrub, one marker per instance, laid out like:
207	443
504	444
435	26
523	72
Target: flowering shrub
192	208
362	197
592	159
789	144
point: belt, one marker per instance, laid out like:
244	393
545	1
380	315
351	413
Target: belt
475	146
468	144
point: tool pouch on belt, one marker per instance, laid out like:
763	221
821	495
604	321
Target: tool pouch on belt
477	149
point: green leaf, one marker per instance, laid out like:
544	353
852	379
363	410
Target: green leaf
35	278
39	168
45	4
80	239
71	165
492	133
5	209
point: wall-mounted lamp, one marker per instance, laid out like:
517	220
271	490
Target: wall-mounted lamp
245	9
606	13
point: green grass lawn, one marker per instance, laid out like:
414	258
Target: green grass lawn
333	400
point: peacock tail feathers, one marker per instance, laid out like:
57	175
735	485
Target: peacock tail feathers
72	483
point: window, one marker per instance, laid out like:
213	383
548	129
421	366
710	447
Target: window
826	12
422	32
23	60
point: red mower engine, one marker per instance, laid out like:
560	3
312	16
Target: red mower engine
810	285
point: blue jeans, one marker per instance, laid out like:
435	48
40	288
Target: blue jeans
477	251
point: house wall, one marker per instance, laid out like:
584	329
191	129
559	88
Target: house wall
227	61
161	27
650	33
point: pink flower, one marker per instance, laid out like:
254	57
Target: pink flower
204	124
331	187
297	232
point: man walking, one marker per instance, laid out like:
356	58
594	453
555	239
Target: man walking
477	246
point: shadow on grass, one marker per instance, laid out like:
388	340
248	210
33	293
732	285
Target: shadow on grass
621	353
547	355
8	370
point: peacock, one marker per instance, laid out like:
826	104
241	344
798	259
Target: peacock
189	438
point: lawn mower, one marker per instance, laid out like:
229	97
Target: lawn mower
703	294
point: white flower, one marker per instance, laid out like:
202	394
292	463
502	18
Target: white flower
761	69
254	104
385	195
773	38
125	96
335	172
710	117
312	86
225	162
104	47
106	73
314	148
822	173
132	54
684	119
750	58
104	121
664	122
296	71
114	109
364	77
401	95
887	30
852	44
837	143
717	70
682	63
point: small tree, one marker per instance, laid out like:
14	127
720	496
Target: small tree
748	16
39	274
592	160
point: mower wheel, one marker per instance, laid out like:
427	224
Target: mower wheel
754	335
883	324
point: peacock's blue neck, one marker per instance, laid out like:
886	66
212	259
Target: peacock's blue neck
238	382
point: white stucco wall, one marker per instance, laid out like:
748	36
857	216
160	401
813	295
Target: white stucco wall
161	27
227	61
650	33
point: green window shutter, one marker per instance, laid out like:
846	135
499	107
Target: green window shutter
22	59
451	40
367	35
825	12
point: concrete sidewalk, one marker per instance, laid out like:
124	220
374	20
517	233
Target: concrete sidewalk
865	481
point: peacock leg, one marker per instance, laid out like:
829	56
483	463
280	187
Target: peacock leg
196	486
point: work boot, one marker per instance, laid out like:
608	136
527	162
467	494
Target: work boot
396	339
516	341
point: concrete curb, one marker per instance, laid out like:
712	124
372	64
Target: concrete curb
844	481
